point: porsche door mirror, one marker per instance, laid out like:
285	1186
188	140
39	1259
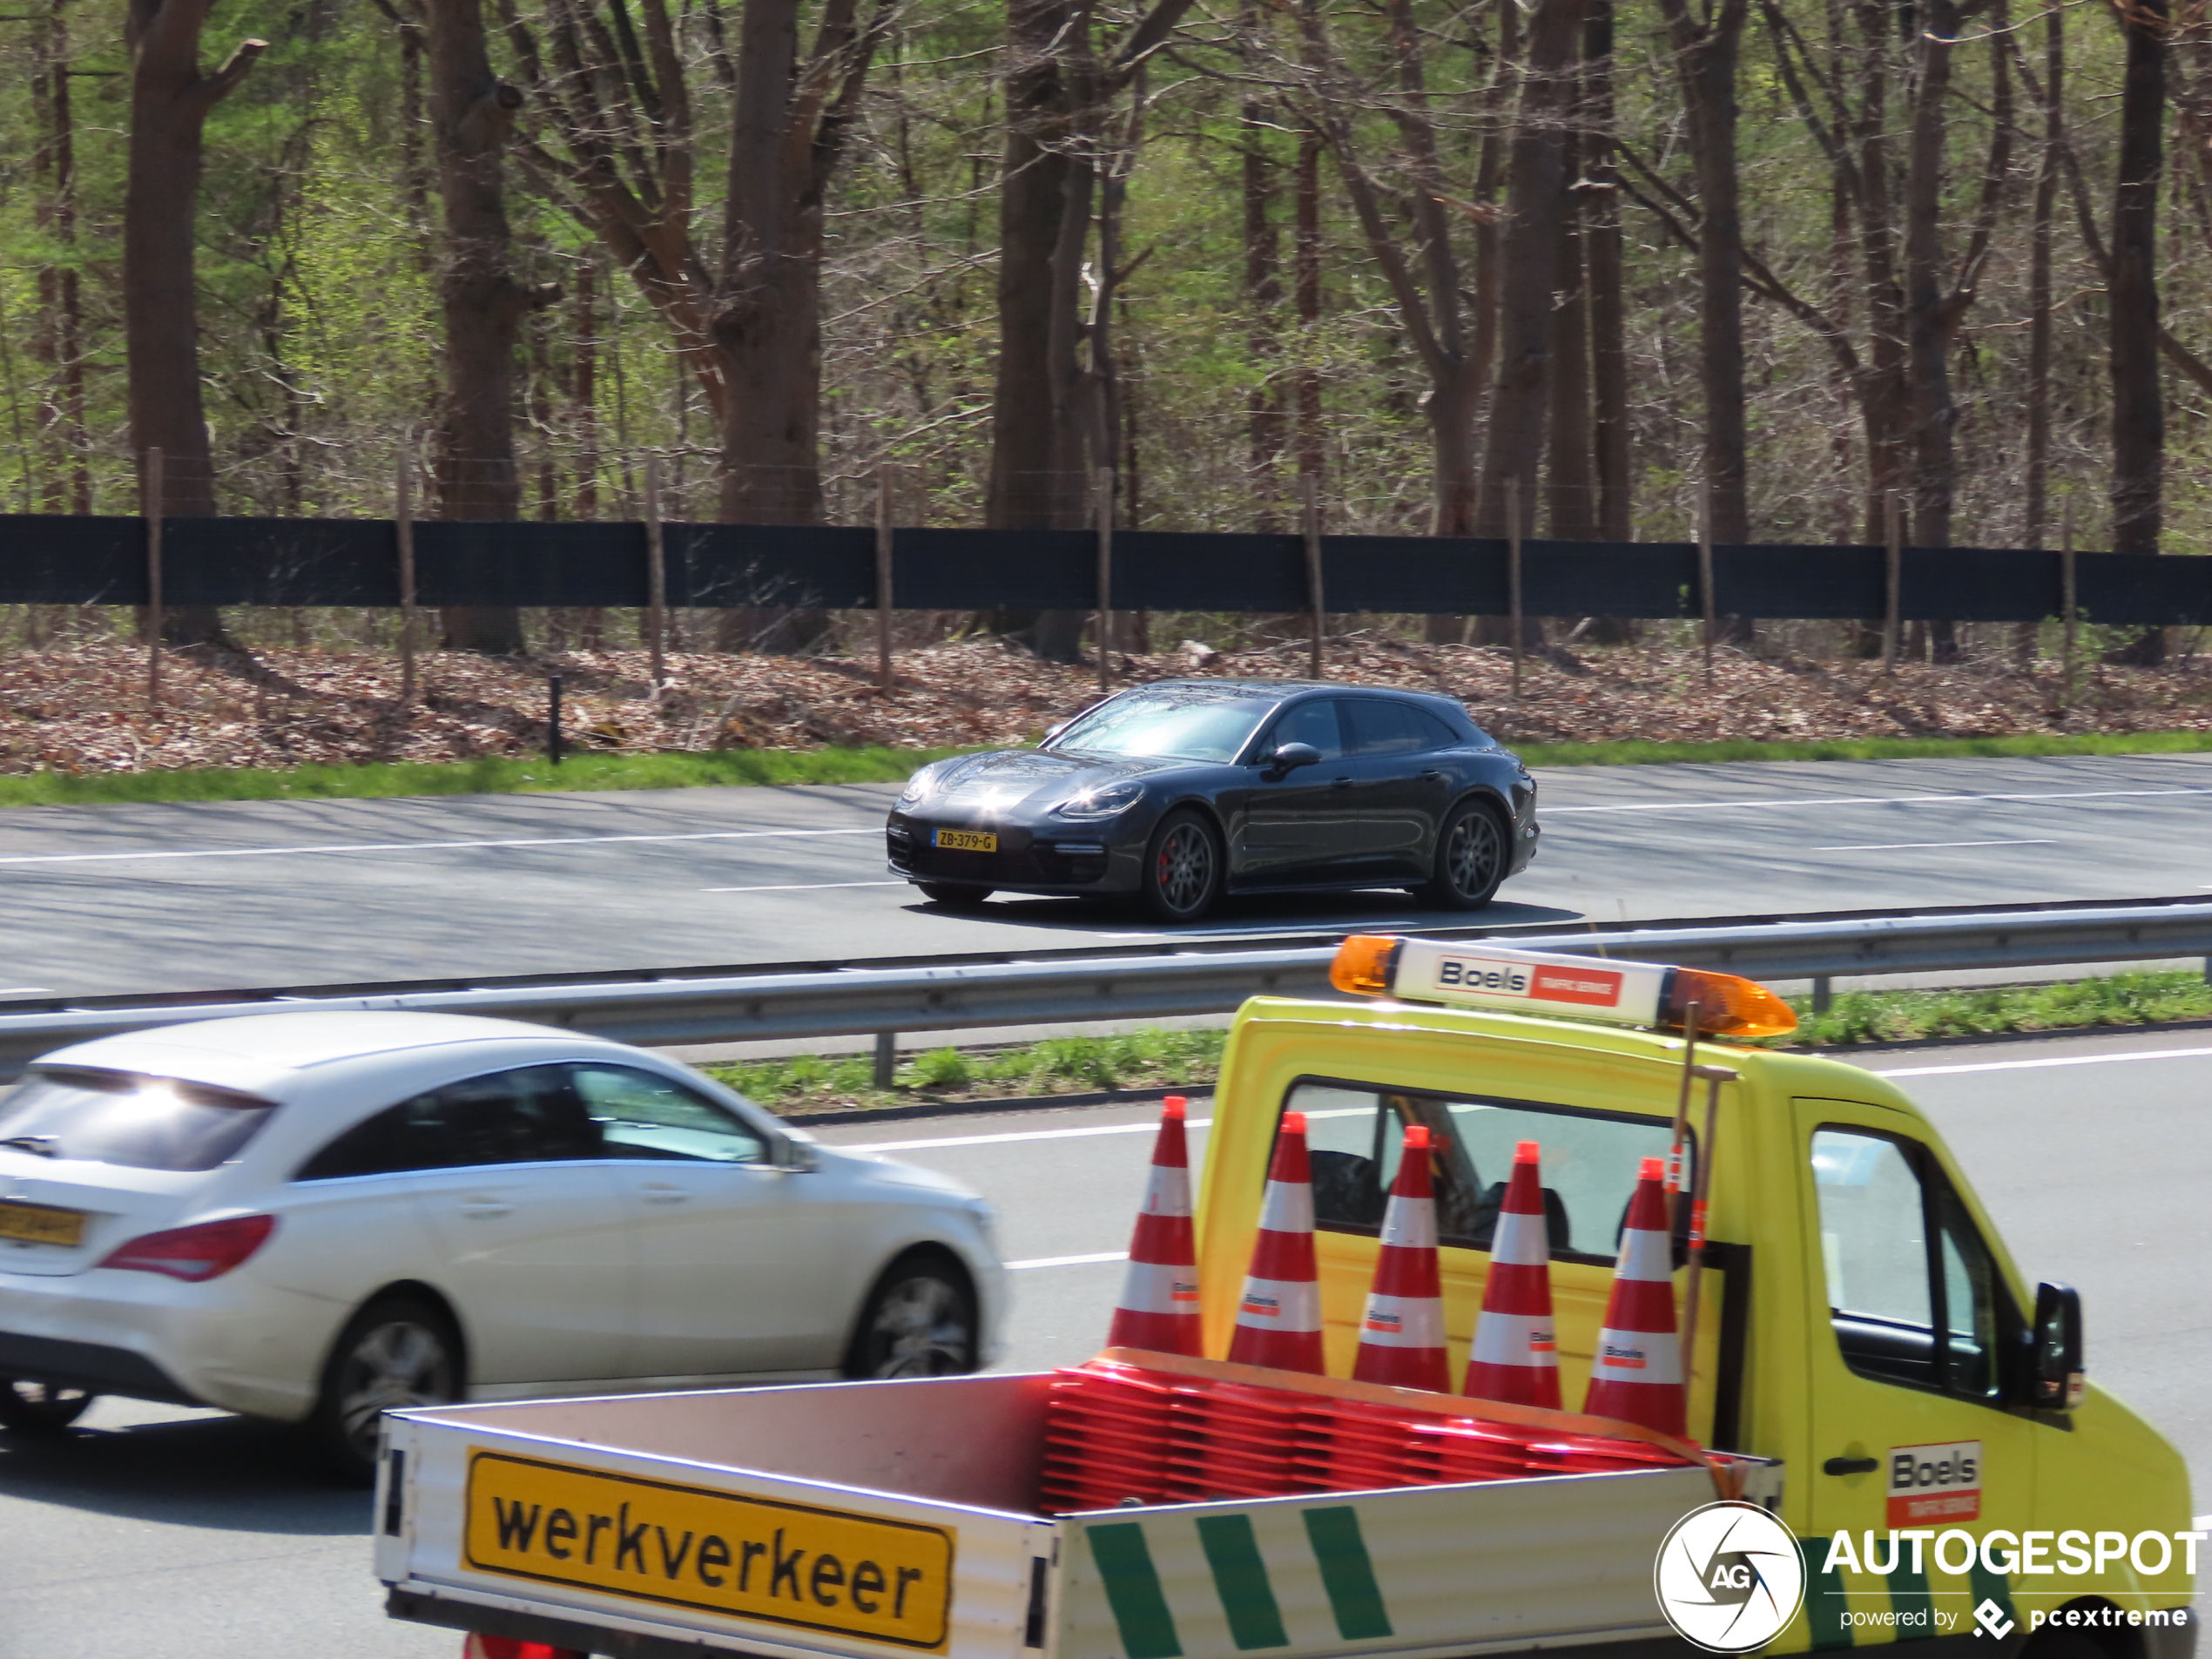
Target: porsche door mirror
2056	1378
1289	756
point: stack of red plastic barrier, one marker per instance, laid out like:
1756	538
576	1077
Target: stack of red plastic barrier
1192	1431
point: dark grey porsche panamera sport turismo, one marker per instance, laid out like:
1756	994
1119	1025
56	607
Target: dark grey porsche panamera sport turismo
1176	793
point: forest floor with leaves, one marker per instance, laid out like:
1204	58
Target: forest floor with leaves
84	708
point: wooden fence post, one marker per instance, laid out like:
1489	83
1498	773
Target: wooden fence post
1893	580
1513	576
1314	597
655	577
1705	575
2072	612
1101	492
883	537
153	500
403	530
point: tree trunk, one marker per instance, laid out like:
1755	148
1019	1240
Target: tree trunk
1706	56
1609	301
1535	200
1570	480
2138	409
1927	336
170	100
481	304
2039	306
1312	451
1264	423
61	332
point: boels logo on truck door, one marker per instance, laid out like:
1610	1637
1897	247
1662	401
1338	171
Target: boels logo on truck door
1930	1484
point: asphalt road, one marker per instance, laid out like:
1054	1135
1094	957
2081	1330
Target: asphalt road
114	900
196	1536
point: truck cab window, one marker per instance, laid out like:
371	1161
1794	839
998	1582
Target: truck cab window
1912	1293
1354	1134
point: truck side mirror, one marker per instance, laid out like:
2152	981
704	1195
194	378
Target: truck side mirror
2055	1376
1289	755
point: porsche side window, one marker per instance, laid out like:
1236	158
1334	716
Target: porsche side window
1314	723
1912	1293
1589	1161
1382	727
641	1115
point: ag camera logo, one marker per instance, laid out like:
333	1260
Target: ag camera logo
1728	1577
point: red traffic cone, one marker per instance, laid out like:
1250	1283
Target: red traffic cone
1159	1305
1401	1332
1636	1375
483	1647
1517	1353
1278	1316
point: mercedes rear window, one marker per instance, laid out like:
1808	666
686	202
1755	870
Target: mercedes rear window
122	1118
1177	723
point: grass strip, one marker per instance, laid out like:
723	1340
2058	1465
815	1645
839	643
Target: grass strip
1635	752
488	775
1162	1059
533	774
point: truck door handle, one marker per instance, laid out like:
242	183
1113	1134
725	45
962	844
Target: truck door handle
1851	1465
655	1193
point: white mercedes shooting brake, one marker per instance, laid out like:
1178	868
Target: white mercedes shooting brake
316	1218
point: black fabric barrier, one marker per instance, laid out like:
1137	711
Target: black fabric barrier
47	560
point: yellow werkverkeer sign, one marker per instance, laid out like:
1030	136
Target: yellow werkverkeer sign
752	1558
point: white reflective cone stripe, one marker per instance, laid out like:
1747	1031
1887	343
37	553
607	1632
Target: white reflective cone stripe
1520	1241
1516	1339
1288	1208
1160	1287
1636	1357
1646	1255
1280	1305
1409	1223
1395	1322
1168	1193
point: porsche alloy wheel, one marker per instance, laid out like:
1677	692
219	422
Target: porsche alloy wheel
1182	868
1470	859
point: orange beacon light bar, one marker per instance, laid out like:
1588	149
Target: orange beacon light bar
1526	982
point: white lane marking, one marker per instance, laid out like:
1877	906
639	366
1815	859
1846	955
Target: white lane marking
1069	1261
2038	1065
22	991
1863	800
424	846
1912	846
804	887
1149	1126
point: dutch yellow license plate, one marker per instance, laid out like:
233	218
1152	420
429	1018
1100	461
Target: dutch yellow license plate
968	841
38	1223
729	1553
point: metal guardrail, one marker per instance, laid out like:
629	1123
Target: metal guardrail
740	1007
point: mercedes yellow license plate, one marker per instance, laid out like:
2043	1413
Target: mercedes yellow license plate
38	1224
968	841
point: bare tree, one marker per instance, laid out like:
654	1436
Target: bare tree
171	96
2138	403
472	116
620	156
1050	412
60	341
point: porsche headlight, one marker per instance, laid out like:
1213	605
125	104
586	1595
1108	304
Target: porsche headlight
1101	803
920	788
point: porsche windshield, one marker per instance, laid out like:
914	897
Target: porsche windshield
1183	723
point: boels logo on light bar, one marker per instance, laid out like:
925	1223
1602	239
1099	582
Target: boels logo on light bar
1596	987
